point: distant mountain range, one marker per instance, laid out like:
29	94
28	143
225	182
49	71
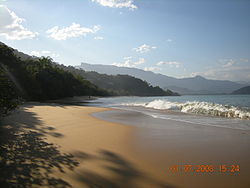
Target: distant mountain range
192	85
44	79
242	91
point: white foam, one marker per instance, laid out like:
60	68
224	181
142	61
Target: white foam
197	108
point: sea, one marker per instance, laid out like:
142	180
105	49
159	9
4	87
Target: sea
228	111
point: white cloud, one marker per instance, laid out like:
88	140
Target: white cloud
128	62
144	48
117	3
229	63
169	40
170	63
11	26
44	53
98	38
152	69
140	61
75	30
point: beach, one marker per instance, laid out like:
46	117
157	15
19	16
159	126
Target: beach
124	94
101	147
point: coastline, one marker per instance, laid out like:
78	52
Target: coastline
111	154
165	143
101	150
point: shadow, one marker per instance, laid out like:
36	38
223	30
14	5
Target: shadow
75	101
123	174
26	159
24	119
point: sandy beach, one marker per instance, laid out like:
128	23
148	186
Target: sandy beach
85	151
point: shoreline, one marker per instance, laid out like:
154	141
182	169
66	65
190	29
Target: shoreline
111	154
165	143
100	150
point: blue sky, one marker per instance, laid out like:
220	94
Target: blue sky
179	38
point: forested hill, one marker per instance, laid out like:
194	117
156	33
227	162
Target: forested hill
187	86
38	79
115	85
123	85
242	91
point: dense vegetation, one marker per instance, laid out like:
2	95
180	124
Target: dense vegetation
242	91
40	79
8	94
37	79
122	85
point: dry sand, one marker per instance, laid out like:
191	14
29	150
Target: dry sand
90	152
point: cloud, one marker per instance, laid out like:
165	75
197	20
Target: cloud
170	63
140	61
44	53
98	38
232	70
117	3
229	63
11	26
144	48
169	40
244	60
75	30
128	62
152	69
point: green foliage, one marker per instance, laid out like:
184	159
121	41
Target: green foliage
8	95
122	85
40	79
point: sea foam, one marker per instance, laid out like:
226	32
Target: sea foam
196	107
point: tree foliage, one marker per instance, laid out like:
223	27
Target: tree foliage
38	79
8	94
123	85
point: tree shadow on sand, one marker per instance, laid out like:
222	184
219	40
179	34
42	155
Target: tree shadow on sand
123	173
26	159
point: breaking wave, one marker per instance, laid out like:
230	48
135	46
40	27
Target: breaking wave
196	107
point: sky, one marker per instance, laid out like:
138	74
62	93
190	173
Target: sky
179	38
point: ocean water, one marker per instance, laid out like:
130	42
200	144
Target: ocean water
230	111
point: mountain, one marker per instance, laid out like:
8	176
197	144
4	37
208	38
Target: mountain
38	79
193	85
121	85
246	83
44	79
242	91
24	56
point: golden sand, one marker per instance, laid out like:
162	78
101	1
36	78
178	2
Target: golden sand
103	153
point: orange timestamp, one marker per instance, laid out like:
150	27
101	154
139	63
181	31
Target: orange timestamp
234	168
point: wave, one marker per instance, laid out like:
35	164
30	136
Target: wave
197	107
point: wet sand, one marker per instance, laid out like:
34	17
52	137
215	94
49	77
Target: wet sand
165	143
133	151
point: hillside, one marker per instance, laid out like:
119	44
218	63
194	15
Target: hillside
39	79
242	91
122	85
193	85
45	79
